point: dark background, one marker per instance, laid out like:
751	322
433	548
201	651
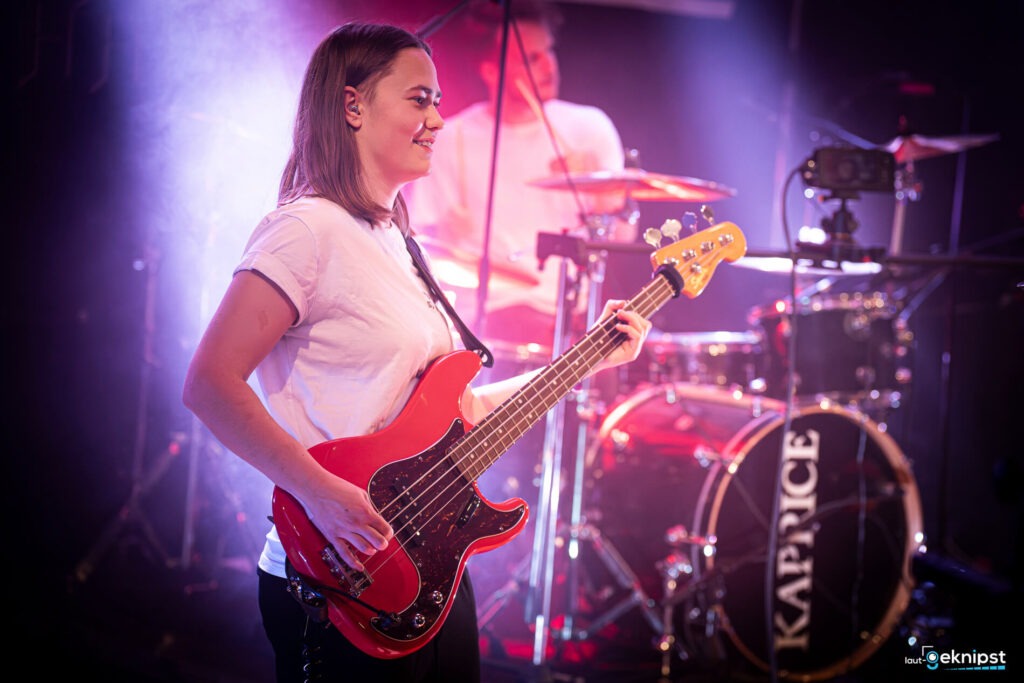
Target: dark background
101	293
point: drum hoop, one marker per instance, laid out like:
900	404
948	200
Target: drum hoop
715	394
912	518
875	304
709	392
696	342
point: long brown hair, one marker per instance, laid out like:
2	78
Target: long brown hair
324	160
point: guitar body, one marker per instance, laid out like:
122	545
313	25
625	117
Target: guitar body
439	517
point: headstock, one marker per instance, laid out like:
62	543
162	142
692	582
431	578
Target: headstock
696	256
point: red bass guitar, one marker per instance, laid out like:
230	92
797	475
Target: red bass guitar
420	473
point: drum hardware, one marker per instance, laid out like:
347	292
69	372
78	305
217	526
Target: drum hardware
624	576
673	569
678	535
590	264
491	605
908	148
887	168
132	521
679	585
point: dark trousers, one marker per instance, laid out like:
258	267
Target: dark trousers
452	655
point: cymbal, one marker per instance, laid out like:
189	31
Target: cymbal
807	266
458	268
657	339
916	147
639	185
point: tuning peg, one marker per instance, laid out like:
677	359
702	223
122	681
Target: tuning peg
671	229
653	237
708	214
690	221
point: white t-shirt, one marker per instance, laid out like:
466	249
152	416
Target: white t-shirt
451	202
366	329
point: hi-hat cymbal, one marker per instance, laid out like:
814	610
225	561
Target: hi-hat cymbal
639	185
916	147
454	267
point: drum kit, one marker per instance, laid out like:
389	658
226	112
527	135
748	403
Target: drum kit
741	491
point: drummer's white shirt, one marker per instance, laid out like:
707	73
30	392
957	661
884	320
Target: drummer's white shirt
366	328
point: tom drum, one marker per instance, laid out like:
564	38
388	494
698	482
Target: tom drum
718	359
849	347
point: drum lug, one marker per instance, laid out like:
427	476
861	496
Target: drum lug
672	568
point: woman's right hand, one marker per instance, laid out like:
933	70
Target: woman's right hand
345	515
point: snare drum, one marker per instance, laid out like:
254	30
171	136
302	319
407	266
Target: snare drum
849	348
689	470
719	359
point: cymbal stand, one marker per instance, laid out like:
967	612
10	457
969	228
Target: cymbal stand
538	602
675	570
908	189
142	480
579	529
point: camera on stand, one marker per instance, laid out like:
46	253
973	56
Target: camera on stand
846	172
850	169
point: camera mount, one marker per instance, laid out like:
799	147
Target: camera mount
846	172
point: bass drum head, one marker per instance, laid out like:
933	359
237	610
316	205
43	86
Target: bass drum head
849	520
649	464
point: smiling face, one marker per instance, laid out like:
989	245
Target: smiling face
396	123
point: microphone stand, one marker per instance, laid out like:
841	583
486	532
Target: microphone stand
484	268
431	27
484	274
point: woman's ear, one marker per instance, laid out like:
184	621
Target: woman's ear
353	108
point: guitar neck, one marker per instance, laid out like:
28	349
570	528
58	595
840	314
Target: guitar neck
495	434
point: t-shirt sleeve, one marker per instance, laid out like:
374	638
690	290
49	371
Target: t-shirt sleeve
607	142
284	250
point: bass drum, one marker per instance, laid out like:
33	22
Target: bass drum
849	524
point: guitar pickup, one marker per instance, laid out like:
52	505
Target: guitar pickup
405	523
467	512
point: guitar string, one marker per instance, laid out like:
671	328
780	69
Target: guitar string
472	439
646	297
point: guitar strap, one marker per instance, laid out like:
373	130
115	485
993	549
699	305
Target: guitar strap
468	338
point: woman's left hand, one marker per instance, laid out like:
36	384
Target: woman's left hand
633	325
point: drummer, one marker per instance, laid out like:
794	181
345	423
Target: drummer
451	203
